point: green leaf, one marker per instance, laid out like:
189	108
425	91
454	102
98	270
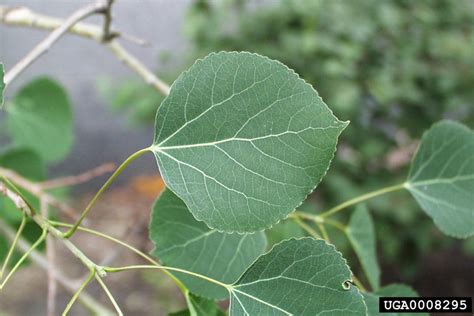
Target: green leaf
392	290
297	277
185	243
40	118
198	306
242	140
441	177
29	165
2	84
362	237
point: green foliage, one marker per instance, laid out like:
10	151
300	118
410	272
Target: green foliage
442	177
297	277
392	290
28	164
198	306
392	68
181	241
361	234
241	134
40	117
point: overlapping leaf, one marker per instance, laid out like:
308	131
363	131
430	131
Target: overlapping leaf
198	306
441	177
40	118
392	290
242	140
185	243
361	234
297	277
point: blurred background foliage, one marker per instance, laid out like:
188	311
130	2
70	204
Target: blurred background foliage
390	67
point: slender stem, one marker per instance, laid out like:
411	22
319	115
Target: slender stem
323	231
362	198
336	224
50	255
109	294
95	307
23	258
13	245
78	179
106	33
358	283
124	244
78	292
25	17
103	188
53	37
160	267
307	228
37	190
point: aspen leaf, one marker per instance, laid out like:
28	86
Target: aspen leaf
242	140
441	177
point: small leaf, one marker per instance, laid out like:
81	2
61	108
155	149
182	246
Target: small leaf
185	243
441	177
40	118
362	237
297	277
242	140
392	290
2	84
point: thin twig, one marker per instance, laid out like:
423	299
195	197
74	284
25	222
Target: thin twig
36	189
53	37
78	292
109	295
21	16
50	255
307	228
78	179
107	35
40	260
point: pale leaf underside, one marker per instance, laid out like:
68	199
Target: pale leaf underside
185	243
297	277
242	140
442	177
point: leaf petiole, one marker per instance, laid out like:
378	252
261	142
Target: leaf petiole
78	292
23	258
160	267
362	198
126	245
116	173
12	247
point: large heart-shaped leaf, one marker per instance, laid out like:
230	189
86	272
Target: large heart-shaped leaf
441	177
242	140
40	118
2	84
361	235
392	290
185	243
297	277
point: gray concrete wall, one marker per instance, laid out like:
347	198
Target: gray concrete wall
78	63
